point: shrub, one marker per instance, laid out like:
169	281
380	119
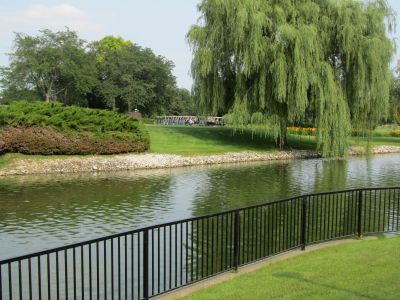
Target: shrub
42	128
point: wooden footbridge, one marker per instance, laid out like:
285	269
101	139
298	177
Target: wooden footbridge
190	120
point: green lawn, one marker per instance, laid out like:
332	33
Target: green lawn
200	140
376	141
195	140
362	270
385	130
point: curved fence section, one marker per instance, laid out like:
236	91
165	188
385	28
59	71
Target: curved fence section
147	262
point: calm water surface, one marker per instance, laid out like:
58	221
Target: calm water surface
39	212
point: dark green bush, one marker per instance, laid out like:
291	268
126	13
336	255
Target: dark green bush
74	122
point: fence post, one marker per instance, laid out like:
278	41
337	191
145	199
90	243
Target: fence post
303	224
146	264
236	241
359	223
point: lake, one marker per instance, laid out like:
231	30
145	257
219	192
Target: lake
41	212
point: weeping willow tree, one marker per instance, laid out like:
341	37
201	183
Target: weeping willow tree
272	61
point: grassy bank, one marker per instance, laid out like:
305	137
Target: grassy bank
192	140
195	140
375	141
362	270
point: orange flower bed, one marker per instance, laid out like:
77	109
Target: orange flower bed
302	130
395	133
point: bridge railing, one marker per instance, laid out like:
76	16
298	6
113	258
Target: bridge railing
190	120
143	263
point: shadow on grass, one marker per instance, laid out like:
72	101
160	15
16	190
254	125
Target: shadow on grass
244	139
299	277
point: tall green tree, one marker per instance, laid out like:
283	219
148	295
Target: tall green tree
394	103
182	103
52	66
274	61
110	73
131	77
109	44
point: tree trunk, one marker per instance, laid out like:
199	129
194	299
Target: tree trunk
65	96
281	141
48	97
48	92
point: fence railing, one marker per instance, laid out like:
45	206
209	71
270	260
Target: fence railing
151	261
190	120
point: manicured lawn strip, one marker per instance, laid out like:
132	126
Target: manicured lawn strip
308	142
196	140
375	141
385	130
362	270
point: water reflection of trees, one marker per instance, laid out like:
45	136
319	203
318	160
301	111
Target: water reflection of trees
56	212
238	187
107	197
331	174
258	183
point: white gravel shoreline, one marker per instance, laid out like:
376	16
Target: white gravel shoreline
28	166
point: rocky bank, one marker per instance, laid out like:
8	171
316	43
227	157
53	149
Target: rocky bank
33	165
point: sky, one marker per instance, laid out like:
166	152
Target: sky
157	24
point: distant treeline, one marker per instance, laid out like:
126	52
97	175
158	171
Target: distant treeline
111	73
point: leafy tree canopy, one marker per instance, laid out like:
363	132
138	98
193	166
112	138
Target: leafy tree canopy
111	73
132	77
394	103
276	61
109	44
52	65
183	104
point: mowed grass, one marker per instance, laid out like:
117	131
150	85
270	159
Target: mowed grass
375	141
200	140
310	143
203	140
360	270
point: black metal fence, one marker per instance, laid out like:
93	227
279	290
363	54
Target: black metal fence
147	262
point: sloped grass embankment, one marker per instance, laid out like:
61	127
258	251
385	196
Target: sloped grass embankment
360	270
